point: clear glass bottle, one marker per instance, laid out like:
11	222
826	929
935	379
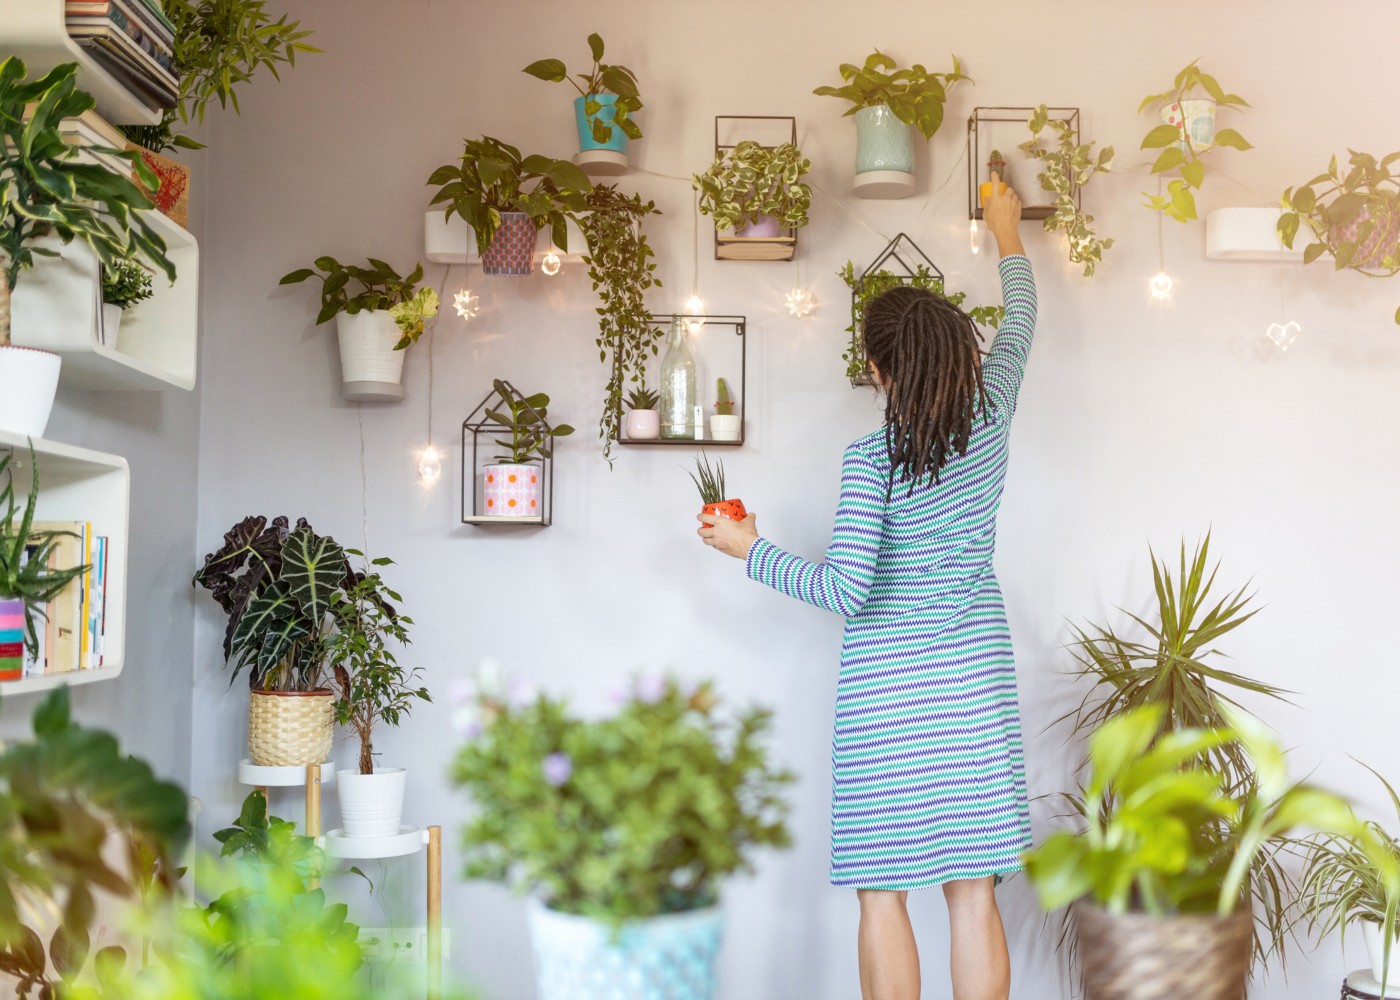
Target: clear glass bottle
678	393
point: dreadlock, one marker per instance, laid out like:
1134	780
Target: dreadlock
927	351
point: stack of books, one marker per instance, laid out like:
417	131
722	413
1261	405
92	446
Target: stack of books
73	626
133	40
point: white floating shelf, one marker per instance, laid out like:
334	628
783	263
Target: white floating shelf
56	308
452	241
1249	234
272	776
409	840
76	484
37	32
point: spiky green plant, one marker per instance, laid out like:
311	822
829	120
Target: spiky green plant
642	398
710	482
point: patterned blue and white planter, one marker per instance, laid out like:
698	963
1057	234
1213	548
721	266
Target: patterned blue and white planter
672	957
883	141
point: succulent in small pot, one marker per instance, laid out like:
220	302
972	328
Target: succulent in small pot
608	98
1065	169
996	164
710	482
125	283
511	484
725	424
755	190
643	418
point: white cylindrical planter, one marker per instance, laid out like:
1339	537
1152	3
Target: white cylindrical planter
28	382
724	427
1371	934
111	323
371	371
371	805
1024	178
511	490
643	425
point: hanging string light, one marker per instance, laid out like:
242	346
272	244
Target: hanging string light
1161	283
801	302
551	261
429	465
466	303
972	235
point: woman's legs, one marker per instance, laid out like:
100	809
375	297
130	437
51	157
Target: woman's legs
889	958
980	964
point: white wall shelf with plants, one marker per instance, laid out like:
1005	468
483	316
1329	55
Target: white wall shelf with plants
57	307
37	32
77	484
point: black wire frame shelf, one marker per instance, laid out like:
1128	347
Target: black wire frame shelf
748	247
740	326
910	259
979	147
474	426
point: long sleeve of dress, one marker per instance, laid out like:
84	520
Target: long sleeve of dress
842	582
1005	364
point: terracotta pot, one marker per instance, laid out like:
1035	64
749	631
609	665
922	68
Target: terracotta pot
731	509
1140	957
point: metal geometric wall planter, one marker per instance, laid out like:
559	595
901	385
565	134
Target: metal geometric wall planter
906	264
519	501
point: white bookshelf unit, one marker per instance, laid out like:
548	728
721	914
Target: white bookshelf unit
76	484
36	31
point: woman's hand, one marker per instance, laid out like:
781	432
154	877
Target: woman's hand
1001	211
733	538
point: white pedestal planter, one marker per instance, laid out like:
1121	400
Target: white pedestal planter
671	957
28	382
1371	934
371	371
724	427
371	805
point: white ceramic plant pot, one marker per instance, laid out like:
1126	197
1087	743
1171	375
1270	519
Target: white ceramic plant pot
371	371
28	382
643	425
1024	177
511	490
371	805
724	427
111	323
1371	934
1195	118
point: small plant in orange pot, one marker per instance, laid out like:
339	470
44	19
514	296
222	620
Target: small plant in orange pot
996	164
710	482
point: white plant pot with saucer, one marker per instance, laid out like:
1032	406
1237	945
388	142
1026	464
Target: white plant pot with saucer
371	371
371	805
1371	934
725	426
28	383
1024	178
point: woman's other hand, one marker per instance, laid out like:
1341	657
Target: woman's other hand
733	538
1001	211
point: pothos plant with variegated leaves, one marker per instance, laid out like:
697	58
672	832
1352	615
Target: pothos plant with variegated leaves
1066	168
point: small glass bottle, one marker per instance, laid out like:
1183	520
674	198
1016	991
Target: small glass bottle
678	393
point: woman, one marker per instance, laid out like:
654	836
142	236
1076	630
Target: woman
928	783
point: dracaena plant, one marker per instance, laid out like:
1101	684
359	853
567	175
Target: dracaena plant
752	180
492	177
1179	151
1065	168
914	95
377	286
527	424
1352	215
602	79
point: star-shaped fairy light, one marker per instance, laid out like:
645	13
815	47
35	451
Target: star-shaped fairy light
801	302
466	303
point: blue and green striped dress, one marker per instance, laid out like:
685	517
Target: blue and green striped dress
928	783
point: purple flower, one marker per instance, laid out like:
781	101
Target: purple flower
650	688
466	720
520	693
557	768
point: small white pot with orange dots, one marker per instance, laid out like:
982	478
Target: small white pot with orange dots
511	490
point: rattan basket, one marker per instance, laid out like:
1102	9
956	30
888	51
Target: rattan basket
1141	957
290	728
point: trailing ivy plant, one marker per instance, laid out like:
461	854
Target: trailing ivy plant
622	267
1179	152
1354	216
752	180
380	287
865	289
603	79
914	95
1065	168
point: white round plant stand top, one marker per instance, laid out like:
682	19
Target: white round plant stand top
601	162
883	184
1361	981
264	776
409	840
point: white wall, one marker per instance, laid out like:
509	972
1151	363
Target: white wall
1138	424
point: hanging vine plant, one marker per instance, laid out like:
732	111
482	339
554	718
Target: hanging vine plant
622	267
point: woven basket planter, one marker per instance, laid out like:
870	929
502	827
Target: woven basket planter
1141	957
290	728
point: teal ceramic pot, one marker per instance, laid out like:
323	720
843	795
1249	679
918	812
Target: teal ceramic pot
512	249
618	142
672	957
883	142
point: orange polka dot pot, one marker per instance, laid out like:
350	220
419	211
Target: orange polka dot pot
732	509
511	491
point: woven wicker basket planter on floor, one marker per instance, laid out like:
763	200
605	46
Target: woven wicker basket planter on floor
290	728
1141	957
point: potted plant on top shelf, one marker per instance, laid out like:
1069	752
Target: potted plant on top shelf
512	481
52	197
374	325
627	891
1187	131
887	100
754	191
1063	171
507	199
607	100
373	689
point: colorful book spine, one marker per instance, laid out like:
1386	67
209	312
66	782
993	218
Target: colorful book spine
118	22
85	601
149	15
11	640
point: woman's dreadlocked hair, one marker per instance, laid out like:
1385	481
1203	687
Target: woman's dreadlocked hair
927	351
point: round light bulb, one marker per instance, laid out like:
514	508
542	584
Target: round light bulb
551	262
1161	285
972	236
429	465
466	303
694	306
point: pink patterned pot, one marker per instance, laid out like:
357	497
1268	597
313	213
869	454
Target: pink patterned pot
511	491
512	249
1383	237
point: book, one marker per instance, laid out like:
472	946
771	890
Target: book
115	46
149	14
85	601
97	590
64	613
33	663
119	22
140	85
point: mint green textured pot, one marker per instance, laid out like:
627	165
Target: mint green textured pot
883	142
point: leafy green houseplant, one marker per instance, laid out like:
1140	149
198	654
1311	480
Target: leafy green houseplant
1352	215
1187	131
752	181
352	289
596	123
125	284
914	95
526	424
493	185
513	483
1067	167
622	267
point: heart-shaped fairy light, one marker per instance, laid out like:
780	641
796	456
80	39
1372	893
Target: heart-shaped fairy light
1161	285
1283	334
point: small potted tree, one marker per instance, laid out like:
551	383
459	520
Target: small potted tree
710	482
125	284
508	198
512	481
603	110
886	101
373	689
376	318
754	191
1061	171
725	424
643	419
